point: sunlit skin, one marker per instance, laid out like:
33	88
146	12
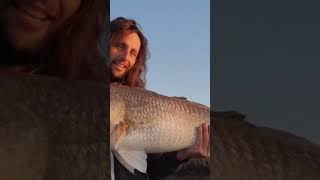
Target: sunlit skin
28	24
123	53
201	148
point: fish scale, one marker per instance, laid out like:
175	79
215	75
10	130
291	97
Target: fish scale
53	129
67	139
155	123
172	128
243	151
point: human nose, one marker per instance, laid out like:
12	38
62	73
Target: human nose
49	6
125	55
52	7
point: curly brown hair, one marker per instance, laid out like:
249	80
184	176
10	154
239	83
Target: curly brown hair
136	76
82	35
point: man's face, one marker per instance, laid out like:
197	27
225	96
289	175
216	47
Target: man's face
29	23
123	53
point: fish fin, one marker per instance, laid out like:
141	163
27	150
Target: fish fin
118	135
123	162
132	159
181	97
112	165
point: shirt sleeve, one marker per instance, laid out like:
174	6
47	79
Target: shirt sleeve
162	165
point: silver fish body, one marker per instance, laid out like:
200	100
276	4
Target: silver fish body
153	123
53	129
157	123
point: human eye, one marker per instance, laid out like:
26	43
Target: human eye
119	46
133	53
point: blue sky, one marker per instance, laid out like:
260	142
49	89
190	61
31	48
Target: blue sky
179	38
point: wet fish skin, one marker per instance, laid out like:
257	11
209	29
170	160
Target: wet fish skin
53	129
244	151
155	123
158	123
48	145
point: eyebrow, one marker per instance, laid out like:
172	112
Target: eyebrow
126	45
134	50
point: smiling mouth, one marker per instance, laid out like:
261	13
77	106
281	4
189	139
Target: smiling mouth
33	10
120	66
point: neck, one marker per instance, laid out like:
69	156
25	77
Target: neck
116	79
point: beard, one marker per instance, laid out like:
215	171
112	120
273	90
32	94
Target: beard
114	79
117	78
12	56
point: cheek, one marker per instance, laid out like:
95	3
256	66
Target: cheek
132	62
22	32
69	7
113	53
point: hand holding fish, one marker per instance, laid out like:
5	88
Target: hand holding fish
144	122
201	148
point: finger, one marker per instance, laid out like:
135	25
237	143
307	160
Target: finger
209	133
199	137
205	142
209	142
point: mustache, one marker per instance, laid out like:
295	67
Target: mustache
119	60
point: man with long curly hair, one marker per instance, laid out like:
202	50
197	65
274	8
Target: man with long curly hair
128	52
128	56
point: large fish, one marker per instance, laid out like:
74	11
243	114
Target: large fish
55	129
52	129
243	151
143	122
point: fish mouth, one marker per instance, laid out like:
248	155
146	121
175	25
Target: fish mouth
37	10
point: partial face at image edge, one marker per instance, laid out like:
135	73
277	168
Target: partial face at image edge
28	24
